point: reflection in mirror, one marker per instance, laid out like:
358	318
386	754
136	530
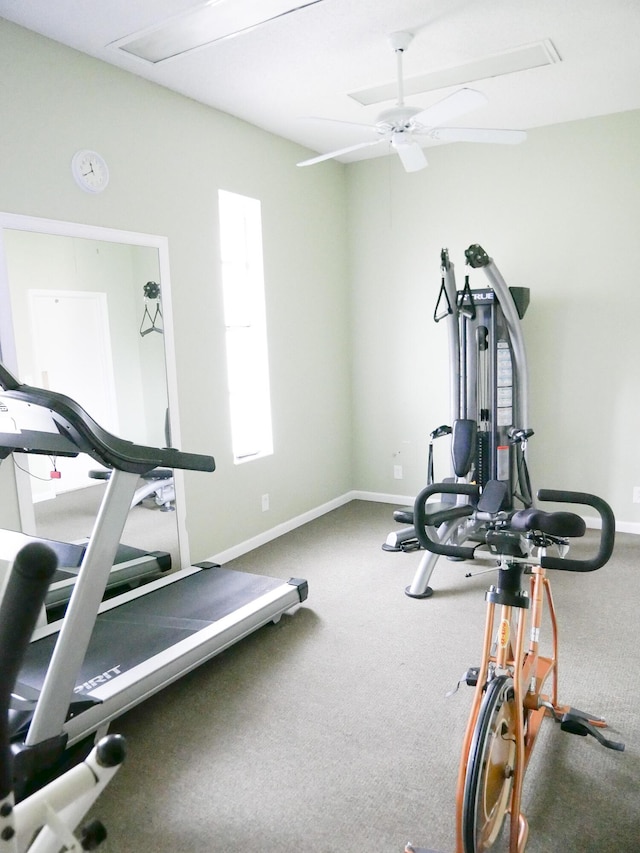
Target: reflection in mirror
89	313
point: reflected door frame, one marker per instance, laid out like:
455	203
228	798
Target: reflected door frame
62	323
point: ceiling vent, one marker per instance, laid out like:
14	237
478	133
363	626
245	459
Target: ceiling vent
204	25
519	59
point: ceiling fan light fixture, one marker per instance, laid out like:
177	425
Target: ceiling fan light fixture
400	139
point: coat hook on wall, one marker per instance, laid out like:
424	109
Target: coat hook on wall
151	292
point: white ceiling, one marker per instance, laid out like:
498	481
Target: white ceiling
306	63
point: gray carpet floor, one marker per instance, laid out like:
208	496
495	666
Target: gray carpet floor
331	731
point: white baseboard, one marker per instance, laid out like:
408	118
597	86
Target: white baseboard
379	497
621	526
375	497
280	530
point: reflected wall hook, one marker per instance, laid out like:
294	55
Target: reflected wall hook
151	292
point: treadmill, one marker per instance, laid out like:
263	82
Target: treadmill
105	657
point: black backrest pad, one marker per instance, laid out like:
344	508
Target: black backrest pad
463	445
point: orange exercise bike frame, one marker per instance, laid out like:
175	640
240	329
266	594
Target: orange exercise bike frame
511	649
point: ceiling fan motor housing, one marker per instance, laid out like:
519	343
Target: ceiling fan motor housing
396	118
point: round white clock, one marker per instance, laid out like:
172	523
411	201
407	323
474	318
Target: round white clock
90	171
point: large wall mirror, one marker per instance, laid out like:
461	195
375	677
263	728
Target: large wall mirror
86	311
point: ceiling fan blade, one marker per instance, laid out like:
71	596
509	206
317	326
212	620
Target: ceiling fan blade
352	124
337	153
477	134
411	155
457	104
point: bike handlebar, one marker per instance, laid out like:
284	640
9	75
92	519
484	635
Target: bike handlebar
24	595
607	534
421	521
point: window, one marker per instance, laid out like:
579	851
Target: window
246	326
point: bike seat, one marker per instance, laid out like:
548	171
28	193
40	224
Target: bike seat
554	523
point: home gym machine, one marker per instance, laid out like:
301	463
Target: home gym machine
105	657
489	411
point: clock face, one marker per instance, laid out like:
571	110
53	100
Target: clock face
90	171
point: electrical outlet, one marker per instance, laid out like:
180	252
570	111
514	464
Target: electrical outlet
636	494
265	503
397	472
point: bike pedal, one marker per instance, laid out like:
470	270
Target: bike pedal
580	726
470	677
574	712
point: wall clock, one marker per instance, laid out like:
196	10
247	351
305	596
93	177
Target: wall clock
90	171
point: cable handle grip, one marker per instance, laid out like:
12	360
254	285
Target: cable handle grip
24	595
607	533
420	518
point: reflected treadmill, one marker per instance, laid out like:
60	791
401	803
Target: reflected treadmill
131	566
105	657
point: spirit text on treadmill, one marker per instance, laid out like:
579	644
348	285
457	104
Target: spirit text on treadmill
98	679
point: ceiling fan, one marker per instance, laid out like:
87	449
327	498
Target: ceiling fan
402	127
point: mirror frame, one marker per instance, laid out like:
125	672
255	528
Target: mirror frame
19	222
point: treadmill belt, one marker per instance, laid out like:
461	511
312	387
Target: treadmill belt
136	630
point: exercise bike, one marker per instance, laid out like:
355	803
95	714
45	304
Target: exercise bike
511	697
46	820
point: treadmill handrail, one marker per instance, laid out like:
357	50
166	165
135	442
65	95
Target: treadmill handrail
87	436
